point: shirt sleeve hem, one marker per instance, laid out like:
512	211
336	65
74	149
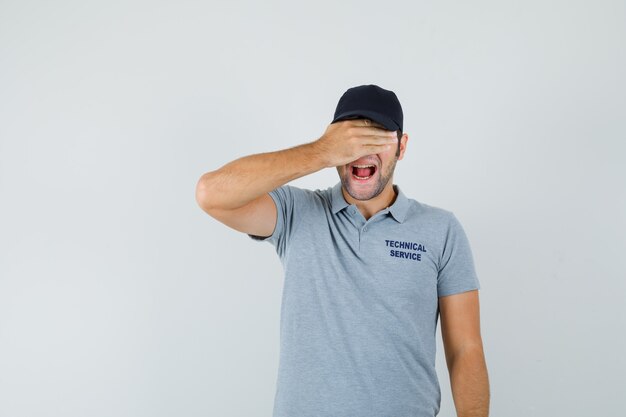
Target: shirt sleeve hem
457	290
278	225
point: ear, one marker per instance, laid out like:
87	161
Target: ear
403	140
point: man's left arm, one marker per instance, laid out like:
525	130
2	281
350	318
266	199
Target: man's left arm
460	331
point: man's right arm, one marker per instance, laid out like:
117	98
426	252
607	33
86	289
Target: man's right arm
237	194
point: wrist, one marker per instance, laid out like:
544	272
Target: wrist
318	154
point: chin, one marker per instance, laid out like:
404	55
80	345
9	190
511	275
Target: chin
362	192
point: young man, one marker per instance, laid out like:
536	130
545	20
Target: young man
368	271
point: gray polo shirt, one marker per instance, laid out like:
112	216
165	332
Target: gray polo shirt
360	303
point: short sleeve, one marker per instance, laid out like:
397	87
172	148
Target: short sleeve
457	272
287	199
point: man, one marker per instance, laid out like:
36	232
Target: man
368	271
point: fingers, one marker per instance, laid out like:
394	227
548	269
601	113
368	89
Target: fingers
372	149
372	128
378	136
353	138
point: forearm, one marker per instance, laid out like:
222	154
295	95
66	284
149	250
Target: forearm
245	179
470	383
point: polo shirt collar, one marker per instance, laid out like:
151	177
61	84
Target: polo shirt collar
338	202
398	209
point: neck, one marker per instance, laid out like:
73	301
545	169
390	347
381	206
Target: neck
372	206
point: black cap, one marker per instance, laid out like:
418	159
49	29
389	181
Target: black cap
370	102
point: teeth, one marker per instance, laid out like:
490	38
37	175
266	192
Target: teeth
363	166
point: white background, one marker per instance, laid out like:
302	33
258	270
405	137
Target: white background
120	297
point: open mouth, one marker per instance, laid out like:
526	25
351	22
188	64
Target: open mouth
363	172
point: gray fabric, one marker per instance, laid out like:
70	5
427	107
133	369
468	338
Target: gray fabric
360	303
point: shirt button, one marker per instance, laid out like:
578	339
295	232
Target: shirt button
365	228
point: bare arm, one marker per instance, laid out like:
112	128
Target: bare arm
460	330
237	194
245	179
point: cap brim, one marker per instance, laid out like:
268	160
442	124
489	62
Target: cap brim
368	114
